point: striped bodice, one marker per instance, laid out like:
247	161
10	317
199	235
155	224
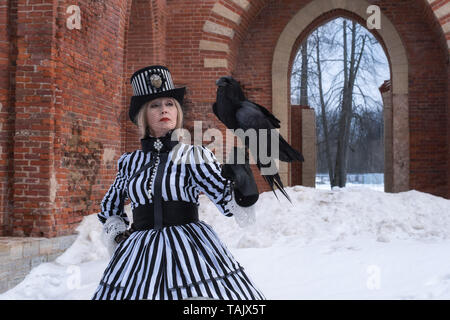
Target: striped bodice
189	170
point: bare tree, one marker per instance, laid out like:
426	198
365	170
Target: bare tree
346	114
323	107
304	75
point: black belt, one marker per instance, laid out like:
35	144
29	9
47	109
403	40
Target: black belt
173	213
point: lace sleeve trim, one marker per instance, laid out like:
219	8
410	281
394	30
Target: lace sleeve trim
112	227
244	216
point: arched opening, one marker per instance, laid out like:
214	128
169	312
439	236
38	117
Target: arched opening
298	28
336	72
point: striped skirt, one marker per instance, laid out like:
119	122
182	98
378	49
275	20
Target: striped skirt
176	262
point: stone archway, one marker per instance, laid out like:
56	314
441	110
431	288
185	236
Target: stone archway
399	79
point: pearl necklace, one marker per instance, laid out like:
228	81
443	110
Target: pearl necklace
158	145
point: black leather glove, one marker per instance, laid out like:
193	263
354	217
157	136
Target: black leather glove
245	188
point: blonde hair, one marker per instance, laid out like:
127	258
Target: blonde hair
142	122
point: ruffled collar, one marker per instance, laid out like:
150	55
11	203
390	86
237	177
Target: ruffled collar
165	143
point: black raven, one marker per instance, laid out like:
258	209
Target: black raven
235	111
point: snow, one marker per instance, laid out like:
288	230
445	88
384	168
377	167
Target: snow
378	187
344	243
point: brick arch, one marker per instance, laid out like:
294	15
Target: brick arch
441	11
219	31
226	53
226	27
305	173
399	77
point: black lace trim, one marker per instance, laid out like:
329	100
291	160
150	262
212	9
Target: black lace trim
210	279
179	287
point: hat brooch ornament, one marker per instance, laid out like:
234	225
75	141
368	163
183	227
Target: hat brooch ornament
155	80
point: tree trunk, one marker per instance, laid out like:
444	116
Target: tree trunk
323	108
304	75
345	117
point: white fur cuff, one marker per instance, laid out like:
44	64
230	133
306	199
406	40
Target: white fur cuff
113	226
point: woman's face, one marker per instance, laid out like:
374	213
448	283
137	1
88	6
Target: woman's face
161	116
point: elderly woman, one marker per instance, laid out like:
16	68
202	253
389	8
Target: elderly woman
168	253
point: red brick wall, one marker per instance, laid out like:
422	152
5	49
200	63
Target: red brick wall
67	110
90	113
8	56
34	107
428	104
437	25
65	93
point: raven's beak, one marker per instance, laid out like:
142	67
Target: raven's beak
220	83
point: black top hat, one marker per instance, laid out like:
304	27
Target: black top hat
150	83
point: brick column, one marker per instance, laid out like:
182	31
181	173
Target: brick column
303	133
7	31
386	95
309	149
34	176
296	143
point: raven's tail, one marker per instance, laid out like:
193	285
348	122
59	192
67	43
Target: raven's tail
274	179
287	153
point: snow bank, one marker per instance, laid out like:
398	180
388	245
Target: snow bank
88	246
318	215
314	215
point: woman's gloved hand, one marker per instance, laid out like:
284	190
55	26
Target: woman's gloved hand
112	228
123	236
245	188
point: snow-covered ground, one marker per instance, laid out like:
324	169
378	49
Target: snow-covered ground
348	243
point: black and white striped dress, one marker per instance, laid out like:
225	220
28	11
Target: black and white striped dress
178	261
